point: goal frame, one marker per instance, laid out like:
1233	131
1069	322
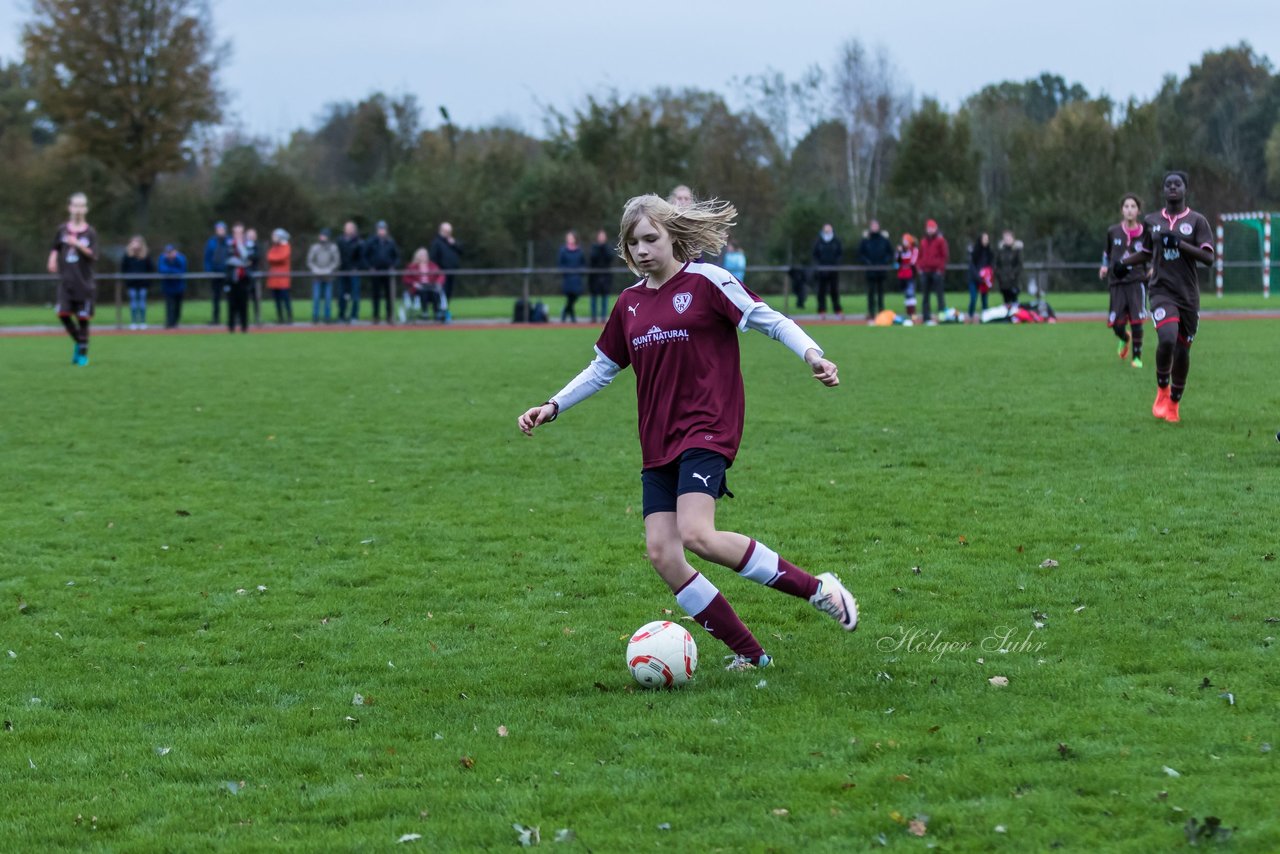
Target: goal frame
1263	218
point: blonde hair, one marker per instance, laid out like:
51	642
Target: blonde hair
703	227
139	241
421	256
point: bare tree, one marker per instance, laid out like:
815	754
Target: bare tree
129	81
789	108
871	103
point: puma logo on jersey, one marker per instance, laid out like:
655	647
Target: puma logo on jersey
632	308
704	478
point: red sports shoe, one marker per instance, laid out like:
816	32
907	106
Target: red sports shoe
1171	412
1160	409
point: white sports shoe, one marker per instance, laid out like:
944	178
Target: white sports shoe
835	601
742	662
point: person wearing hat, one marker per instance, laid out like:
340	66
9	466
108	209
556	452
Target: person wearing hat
322	261
173	268
279	262
215	261
933	267
382	257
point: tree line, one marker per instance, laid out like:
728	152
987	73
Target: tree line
841	143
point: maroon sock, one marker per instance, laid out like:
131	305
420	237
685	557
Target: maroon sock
763	565
723	622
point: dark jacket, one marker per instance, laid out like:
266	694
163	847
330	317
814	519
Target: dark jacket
241	264
1008	266
571	260
600	261
215	255
350	253
381	253
875	250
827	253
173	270
980	256
129	264
448	256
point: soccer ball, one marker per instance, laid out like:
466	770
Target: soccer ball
662	654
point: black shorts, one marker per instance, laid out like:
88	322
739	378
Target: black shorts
1165	311
697	470
74	301
1128	304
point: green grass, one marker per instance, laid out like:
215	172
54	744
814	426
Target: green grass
500	308
417	550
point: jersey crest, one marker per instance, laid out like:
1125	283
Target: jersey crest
681	301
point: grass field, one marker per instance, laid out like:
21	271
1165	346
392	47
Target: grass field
212	544
198	311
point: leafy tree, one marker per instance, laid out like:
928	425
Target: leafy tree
935	175
128	81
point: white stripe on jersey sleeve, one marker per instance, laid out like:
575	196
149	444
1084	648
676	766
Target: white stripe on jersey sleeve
756	314
592	379
730	287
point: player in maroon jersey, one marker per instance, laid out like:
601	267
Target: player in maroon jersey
1175	241
677	329
1128	295
75	248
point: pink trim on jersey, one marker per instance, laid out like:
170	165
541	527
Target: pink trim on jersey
1174	220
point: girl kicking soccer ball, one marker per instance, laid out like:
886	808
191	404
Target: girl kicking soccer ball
677	328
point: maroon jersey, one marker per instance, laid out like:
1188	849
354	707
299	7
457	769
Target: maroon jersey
75	269
682	341
1173	272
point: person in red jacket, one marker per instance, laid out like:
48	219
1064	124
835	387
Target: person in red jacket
933	266
279	257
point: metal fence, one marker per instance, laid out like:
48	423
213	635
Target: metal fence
773	281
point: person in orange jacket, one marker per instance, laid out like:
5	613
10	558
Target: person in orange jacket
279	259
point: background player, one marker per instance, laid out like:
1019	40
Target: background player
677	328
1175	240
1128	295
75	248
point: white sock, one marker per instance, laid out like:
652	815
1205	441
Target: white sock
696	595
760	564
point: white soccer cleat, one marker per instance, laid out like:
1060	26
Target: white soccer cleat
741	662
836	602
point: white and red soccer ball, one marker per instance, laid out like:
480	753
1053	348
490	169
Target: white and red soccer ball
662	654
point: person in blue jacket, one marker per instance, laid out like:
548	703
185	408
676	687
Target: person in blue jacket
572	260
173	271
215	261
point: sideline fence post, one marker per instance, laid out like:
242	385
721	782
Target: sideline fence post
524	286
392	301
786	282
119	305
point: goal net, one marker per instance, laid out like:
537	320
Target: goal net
1244	252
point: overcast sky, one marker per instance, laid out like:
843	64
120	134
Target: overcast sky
497	60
